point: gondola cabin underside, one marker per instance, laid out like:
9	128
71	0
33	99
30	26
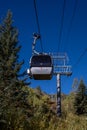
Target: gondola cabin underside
41	73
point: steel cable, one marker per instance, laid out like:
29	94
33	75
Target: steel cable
37	21
61	26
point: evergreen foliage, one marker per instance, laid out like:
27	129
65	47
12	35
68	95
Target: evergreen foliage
12	96
80	103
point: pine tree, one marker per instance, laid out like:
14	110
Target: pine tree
80	103
12	94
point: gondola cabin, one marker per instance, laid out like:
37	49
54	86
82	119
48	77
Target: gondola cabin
41	67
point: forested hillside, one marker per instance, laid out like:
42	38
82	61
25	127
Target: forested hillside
40	113
24	108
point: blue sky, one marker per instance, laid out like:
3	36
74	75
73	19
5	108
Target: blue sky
73	42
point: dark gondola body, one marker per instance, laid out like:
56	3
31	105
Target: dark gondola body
41	67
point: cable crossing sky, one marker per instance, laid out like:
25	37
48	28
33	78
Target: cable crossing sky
38	26
61	26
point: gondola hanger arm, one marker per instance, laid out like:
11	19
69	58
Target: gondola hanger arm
35	36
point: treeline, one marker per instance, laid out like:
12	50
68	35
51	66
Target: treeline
24	108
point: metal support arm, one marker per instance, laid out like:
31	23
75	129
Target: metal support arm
35	36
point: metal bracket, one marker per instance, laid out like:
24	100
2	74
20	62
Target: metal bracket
35	36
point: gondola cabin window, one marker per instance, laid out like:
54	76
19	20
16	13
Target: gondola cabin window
41	60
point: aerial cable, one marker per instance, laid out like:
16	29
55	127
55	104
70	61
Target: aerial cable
79	59
37	20
71	21
61	26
